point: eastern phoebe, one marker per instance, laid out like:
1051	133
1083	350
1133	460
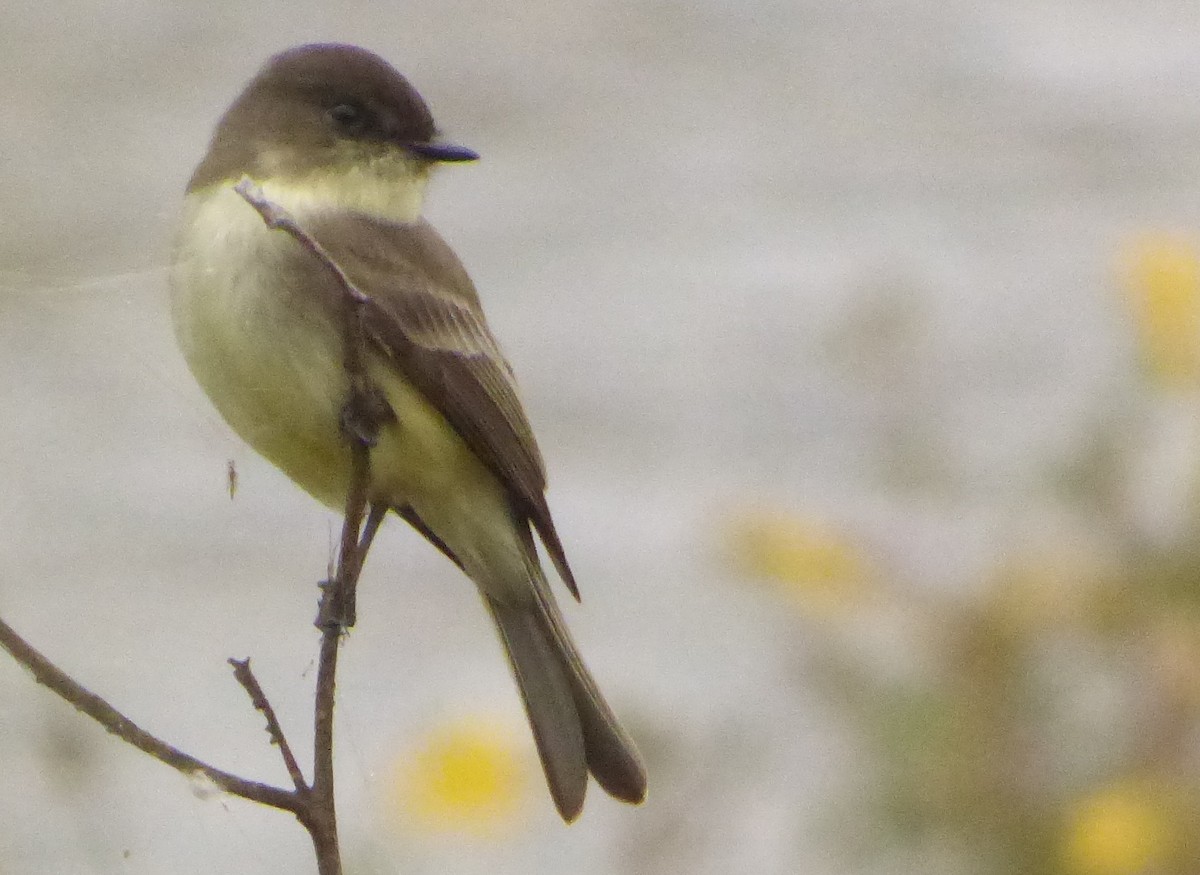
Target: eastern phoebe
337	137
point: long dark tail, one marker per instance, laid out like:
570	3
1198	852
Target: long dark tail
573	727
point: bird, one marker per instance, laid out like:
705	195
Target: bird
338	138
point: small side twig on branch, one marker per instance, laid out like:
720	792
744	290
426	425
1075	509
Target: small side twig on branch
245	677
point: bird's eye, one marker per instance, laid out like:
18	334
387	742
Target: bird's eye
349	117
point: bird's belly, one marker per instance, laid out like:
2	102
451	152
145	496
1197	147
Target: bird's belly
275	379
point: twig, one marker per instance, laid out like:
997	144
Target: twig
245	677
322	825
362	417
54	678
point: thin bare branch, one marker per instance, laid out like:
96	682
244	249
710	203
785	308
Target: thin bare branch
54	678
245	677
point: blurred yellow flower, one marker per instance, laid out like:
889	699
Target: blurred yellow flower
1126	829
1163	276
815	562
467	777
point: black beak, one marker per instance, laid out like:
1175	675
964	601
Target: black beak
442	152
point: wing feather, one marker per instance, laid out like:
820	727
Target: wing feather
424	314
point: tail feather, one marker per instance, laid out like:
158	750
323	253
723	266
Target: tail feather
546	690
575	730
612	757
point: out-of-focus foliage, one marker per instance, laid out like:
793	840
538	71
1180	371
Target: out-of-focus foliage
1045	720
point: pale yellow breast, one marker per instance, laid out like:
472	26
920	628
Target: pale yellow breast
273	373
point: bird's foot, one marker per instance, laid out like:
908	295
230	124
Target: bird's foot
337	609
364	415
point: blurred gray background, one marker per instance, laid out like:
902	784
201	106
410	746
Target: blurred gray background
852	259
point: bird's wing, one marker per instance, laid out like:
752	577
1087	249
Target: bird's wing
424	315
